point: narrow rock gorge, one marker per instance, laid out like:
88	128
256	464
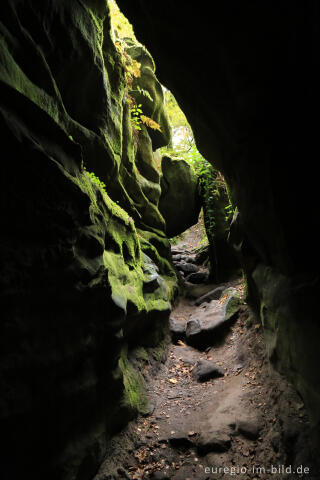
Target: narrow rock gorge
87	273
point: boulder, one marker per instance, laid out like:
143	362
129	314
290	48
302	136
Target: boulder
214	294
212	324
179	188
177	330
197	277
187	267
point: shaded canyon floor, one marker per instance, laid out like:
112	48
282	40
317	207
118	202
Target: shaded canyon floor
216	411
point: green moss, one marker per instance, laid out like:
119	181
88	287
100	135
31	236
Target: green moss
141	354
232	302
98	22
232	307
134	385
151	243
126	283
246	287
12	75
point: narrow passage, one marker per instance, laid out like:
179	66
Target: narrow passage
218	410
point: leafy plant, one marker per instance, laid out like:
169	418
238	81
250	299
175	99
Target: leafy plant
229	212
132	71
144	92
136	112
150	123
95	179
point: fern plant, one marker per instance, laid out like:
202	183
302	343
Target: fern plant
132	70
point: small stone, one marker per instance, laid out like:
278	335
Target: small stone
205	370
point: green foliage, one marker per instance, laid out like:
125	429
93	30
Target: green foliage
211	181
134	386
229	212
136	112
132	71
144	92
95	180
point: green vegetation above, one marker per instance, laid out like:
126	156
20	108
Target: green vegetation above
211	181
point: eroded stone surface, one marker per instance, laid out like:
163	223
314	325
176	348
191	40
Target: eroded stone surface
179	187
77	291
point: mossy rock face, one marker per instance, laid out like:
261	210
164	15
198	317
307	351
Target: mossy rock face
137	194
179	187
77	290
134	396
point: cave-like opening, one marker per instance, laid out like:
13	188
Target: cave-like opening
124	355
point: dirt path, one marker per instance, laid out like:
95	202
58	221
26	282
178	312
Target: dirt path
238	420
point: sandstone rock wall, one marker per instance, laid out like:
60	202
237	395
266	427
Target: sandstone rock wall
179	187
85	271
